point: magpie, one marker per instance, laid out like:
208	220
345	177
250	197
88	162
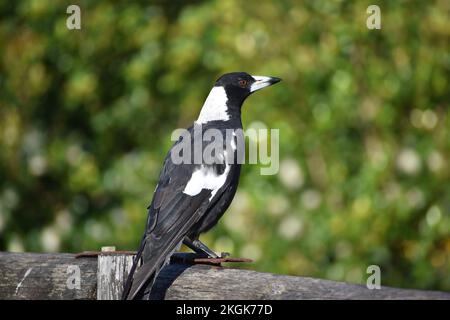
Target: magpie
190	197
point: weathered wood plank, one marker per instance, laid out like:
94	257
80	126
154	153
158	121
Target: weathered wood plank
46	276
112	274
205	282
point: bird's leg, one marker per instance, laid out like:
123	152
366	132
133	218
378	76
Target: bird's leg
211	257
199	247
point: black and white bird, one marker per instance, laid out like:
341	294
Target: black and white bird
190	198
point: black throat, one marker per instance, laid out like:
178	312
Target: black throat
235	101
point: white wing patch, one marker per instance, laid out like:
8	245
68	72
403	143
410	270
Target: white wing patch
206	178
215	106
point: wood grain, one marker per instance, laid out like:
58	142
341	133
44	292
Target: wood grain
112	272
46	276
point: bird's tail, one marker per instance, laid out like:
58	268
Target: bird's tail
157	246
137	259
155	254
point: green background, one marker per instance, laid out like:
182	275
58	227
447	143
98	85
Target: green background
86	117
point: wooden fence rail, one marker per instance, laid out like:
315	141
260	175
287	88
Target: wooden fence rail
63	276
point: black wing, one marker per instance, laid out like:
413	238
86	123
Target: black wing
171	215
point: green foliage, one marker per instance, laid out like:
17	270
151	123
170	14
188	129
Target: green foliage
86	118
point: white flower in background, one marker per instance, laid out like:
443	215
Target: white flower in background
224	244
435	161
50	239
10	198
251	251
118	215
376	151
415	198
15	245
392	192
429	119
290	227
33	145
74	155
33	142
291	175
311	199
235	219
246	44
277	205
37	165
63	221
433	215
424	119
96	230
416	118
241	202
408	161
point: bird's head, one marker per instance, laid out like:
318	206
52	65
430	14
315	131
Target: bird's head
229	92
239	85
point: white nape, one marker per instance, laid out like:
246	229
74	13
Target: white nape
206	178
215	107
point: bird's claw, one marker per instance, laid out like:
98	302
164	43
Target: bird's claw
193	258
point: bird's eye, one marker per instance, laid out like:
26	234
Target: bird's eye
242	83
